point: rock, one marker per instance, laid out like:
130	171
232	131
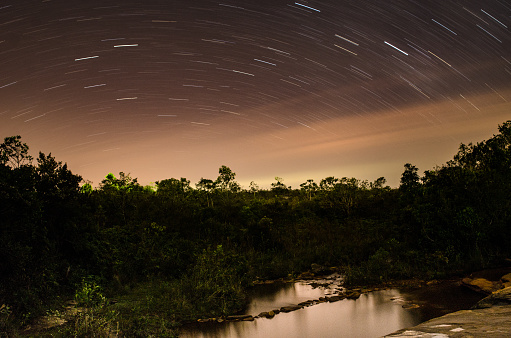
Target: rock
481	285
500	297
248	319
305	275
353	295
490	322
335	298
206	320
506	278
238	317
320	270
270	314
290	308
410	306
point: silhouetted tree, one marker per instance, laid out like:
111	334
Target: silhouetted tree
14	153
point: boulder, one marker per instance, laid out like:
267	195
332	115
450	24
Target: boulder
500	297
239	317
290	308
270	314
205	320
353	295
481	285
506	278
335	298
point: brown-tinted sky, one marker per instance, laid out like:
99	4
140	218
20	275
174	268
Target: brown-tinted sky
300	90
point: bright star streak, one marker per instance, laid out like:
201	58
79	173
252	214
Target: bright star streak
314	9
356	44
493	36
493	17
396	48
86	58
443	26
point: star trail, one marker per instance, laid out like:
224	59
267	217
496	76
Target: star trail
299	90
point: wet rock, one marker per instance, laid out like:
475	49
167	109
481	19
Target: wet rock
290	308
506	278
353	294
306	275
481	285
500	297
335	298
410	306
490	322
238	317
205	320
248	319
269	314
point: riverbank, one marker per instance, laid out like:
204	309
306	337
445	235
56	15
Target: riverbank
488	318
419	298
323	306
492	321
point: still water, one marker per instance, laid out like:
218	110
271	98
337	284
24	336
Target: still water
374	314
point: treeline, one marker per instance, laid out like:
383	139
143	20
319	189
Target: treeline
215	238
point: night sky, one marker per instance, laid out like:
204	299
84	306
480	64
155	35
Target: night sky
299	90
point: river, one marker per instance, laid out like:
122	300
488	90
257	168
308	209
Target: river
374	314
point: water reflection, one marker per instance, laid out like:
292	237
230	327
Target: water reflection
274	296
372	315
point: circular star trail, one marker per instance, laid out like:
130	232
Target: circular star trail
300	90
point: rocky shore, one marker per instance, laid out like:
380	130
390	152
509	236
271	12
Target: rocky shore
490	317
316	278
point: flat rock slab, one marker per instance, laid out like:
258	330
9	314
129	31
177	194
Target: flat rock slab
490	322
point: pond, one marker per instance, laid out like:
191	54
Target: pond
374	314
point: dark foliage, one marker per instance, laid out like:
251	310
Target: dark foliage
217	238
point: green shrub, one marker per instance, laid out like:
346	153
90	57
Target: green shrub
89	294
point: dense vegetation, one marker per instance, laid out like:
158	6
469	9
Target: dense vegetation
189	252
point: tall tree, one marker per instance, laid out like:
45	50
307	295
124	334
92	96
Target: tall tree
206	186
309	187
278	185
225	180
410	177
14	153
